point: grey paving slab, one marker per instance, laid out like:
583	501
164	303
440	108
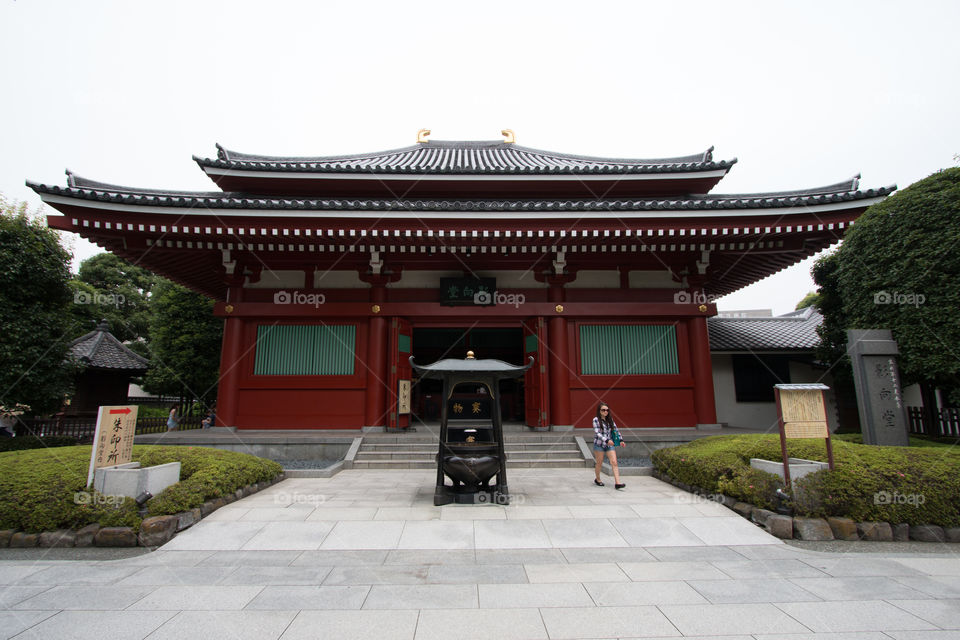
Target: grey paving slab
266	575
655	532
422	596
377	574
364	535
611	594
480	624
476	574
519	556
535	512
473	512
164	558
935	586
943	613
855	635
277	514
308	597
698	554
924	635
408	513
728	531
286	536
782	568
586	572
606	622
13	622
94	598
214	536
870	615
78	574
333	557
583	533
352	625
167	575
938	566
185	598
847	566
522	596
751	590
431	556
334	513
870	588
235	625
250	558
11	595
510	534
608	554
651	571
726	619
96	625
436	534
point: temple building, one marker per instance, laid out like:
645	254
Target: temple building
330	272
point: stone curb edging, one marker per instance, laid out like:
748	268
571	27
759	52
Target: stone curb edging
823	529
154	531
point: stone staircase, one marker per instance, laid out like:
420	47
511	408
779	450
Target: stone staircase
419	452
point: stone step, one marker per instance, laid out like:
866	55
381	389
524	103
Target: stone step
522	464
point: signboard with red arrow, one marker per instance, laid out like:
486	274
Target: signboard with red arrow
113	439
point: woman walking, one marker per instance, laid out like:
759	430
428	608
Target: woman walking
604	432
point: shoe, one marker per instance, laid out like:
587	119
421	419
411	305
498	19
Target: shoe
598	483
619	486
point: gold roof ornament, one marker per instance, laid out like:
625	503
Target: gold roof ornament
509	137
423	135
470	355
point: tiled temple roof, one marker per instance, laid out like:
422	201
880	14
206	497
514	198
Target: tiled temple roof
464	157
99	349
794	331
91	190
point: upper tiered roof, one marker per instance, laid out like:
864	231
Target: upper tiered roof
471	169
463	157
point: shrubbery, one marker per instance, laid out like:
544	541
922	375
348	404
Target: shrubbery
916	485
33	442
45	489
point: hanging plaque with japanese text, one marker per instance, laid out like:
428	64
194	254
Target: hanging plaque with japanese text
468	291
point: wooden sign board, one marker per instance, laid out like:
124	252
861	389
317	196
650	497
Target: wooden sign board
802	413
113	438
403	397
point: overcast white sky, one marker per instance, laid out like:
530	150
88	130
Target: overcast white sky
804	94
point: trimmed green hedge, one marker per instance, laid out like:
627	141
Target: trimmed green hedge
45	489
22	443
916	485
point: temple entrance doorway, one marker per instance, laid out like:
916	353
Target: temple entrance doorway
436	343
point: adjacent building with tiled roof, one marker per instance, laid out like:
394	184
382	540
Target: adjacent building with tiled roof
106	368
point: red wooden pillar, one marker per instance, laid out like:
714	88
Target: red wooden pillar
375	414
228	389
559	358
703	400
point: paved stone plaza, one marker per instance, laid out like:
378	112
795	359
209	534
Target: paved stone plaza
366	555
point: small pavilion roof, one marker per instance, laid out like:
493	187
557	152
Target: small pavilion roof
794	331
99	349
463	157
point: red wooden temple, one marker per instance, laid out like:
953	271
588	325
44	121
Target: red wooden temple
330	272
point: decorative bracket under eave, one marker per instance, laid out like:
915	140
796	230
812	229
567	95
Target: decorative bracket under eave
509	137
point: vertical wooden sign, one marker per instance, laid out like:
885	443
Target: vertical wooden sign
802	413
113	438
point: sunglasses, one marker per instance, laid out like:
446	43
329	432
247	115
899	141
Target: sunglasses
604	409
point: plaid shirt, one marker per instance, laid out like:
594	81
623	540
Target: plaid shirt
602	434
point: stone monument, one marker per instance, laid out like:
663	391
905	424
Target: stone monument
883	419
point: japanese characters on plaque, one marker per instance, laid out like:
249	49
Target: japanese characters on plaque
113	438
873	354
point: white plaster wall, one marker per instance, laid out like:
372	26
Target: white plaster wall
431	279
338	280
588	279
652	280
760	416
277	280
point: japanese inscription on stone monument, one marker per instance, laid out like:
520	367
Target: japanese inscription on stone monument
113	438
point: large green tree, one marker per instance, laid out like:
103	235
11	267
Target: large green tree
109	288
899	269
184	344
34	311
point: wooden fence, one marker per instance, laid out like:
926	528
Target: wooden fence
83	428
947	422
